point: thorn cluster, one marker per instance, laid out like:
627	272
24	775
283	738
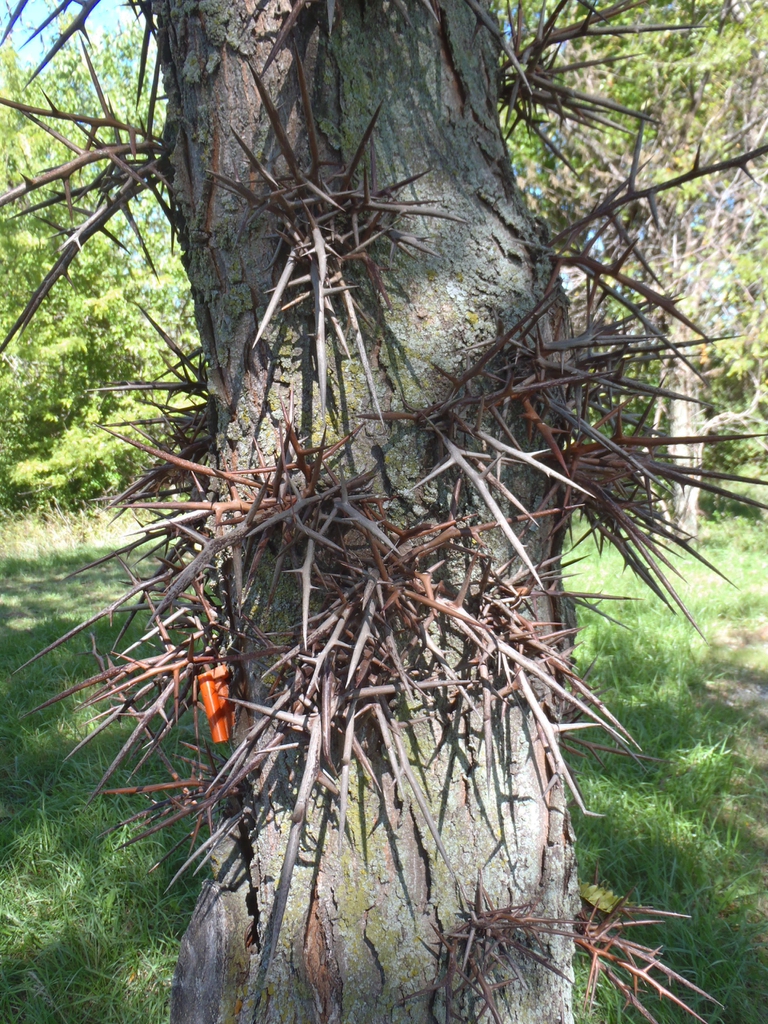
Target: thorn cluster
483	955
324	223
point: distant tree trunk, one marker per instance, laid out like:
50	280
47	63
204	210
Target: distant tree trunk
685	421
359	931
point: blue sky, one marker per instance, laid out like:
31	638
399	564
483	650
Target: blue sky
104	17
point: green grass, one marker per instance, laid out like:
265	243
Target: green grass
687	833
86	933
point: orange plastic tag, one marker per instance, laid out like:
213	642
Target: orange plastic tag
214	689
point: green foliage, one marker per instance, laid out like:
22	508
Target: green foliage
90	334
706	91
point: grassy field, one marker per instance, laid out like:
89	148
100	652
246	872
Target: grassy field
87	934
689	832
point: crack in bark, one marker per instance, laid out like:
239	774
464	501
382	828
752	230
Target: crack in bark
374	954
320	966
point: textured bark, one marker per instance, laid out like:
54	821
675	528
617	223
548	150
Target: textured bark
358	935
685	421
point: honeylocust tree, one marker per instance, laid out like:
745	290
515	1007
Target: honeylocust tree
359	498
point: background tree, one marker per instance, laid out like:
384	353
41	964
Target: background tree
704	94
91	334
410	439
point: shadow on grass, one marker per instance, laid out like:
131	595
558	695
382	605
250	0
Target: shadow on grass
683	833
87	933
39	604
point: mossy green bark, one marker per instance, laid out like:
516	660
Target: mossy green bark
358	941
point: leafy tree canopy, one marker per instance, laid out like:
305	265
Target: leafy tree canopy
93	333
704	93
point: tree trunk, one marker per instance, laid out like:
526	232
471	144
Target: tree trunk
685	421
359	933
